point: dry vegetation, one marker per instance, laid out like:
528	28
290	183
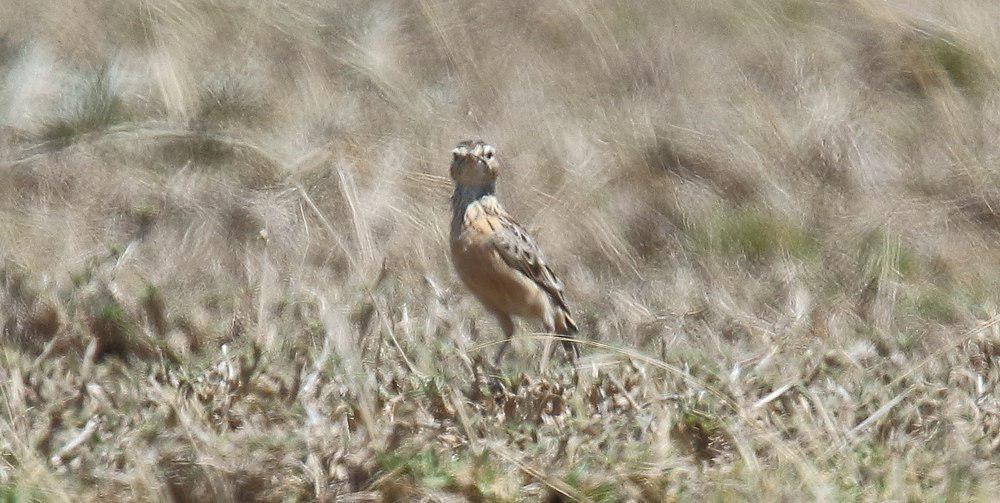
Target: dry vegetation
223	229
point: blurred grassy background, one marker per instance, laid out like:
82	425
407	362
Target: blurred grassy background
223	228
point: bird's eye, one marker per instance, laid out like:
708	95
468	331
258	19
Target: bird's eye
488	154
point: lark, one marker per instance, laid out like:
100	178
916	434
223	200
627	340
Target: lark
496	258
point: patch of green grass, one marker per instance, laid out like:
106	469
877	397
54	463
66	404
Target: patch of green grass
487	476
475	476
882	254
17	494
798	11
962	67
600	492
119	333
936	304
755	235
112	326
96	108
424	467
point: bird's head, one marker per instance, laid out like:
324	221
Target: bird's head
474	164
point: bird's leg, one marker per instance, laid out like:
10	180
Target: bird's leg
547	351
572	351
507	325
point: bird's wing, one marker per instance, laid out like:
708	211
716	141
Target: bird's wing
520	252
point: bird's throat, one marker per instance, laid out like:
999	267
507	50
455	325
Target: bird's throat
471	199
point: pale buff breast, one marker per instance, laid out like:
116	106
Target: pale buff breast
492	281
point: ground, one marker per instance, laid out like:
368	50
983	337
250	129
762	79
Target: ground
224	271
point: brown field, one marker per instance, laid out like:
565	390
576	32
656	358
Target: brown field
224	231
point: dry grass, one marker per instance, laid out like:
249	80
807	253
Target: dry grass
223	229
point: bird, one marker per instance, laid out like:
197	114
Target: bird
497	259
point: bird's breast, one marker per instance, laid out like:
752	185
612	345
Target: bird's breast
492	281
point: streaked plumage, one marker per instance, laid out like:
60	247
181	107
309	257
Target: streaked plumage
495	257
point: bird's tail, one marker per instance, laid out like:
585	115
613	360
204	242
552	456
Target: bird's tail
567	327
